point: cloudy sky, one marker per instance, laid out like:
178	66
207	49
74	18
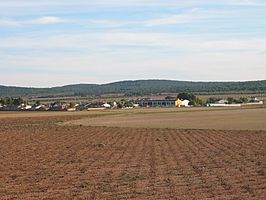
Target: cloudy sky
57	42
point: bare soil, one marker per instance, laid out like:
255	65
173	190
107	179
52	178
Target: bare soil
248	118
41	160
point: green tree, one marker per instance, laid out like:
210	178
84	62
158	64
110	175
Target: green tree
9	101
2	101
169	98
124	103
18	101
231	100
199	102
71	105
187	96
243	100
213	100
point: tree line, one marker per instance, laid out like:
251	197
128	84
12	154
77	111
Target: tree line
9	101
140	88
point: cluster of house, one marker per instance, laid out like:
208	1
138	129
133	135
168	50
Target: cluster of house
26	107
95	105
166	103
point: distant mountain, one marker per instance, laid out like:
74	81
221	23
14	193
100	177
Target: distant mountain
139	87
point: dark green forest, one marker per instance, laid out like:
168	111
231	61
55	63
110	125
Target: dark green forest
138	88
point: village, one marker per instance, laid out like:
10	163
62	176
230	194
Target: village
182	100
122	104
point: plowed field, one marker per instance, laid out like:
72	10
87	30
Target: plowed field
191	118
41	160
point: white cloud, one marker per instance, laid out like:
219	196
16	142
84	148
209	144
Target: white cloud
60	69
43	80
247	2
168	55
95	41
45	20
189	16
34	3
8	22
218	43
174	19
33	7
109	23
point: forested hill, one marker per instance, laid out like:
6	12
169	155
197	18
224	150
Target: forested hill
139	87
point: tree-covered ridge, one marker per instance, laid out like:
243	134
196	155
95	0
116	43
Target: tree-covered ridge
139	87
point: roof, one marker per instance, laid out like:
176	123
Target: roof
155	100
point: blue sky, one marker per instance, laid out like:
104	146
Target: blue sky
58	42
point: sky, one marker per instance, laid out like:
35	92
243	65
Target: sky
59	42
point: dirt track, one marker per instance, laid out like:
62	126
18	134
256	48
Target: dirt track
40	160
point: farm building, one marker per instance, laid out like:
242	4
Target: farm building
39	108
106	105
9	108
71	109
24	107
155	103
180	103
223	101
58	107
162	103
223	105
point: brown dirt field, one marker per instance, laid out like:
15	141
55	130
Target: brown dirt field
248	118
41	160
10	114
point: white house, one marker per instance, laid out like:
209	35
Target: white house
106	105
222	101
24	107
135	105
185	103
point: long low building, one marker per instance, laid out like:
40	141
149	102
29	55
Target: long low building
222	105
156	103
161	103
